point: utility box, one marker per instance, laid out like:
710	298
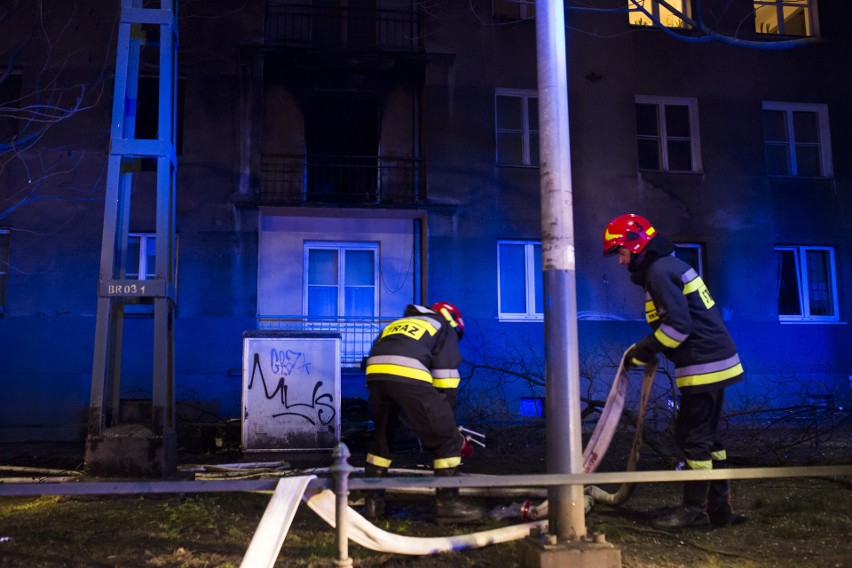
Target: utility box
291	391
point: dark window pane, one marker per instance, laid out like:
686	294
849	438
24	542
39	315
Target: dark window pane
532	110
690	256
534	152
680	156
774	126
805	126
820	294
677	121
777	160
359	301
646	120
133	245
510	148
509	113
539	286
789	303
649	155
322	301
808	161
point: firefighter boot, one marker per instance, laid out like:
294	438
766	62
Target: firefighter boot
691	513
450	508
374	502
719	504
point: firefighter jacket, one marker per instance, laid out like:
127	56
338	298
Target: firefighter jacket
688	327
419	346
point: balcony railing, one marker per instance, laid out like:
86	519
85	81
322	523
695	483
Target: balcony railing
331	27
357	334
360	180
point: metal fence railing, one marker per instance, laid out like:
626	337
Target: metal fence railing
334	27
380	180
357	334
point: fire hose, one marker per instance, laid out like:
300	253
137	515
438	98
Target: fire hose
597	446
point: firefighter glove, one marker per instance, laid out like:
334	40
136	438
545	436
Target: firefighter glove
642	352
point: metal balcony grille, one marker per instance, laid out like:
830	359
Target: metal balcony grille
357	334
359	180
331	27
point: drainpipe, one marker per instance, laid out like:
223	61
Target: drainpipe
566	515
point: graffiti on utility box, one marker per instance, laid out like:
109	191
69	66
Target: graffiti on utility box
291	390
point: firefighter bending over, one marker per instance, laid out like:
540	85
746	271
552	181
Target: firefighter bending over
412	367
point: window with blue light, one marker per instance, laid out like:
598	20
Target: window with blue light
654	13
519	281
797	140
141	256
516	127
667	134
531	407
341	279
806	283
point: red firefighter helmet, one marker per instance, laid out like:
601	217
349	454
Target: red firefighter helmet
451	314
631	231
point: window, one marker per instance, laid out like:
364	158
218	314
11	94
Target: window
4	266
141	256
691	254
513	9
806	283
341	279
667	134
784	17
520	289
516	117
649	12
796	139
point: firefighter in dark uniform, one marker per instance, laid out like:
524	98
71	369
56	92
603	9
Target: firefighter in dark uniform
688	329
411	357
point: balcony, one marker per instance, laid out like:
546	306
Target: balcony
352	180
357	334
332	27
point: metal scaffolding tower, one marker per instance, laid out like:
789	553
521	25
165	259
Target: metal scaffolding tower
144	447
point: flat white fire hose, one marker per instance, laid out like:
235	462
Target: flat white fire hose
598	445
366	534
275	523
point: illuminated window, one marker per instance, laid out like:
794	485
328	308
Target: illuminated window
520	290
667	134
806	283
513	9
141	255
340	279
516	123
652	13
784	17
796	138
691	254
4	266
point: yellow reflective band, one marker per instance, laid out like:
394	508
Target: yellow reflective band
651	231
400	371
378	461
710	378
669	342
650	311
414	328
446	463
445	383
719	456
703	464
697	285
